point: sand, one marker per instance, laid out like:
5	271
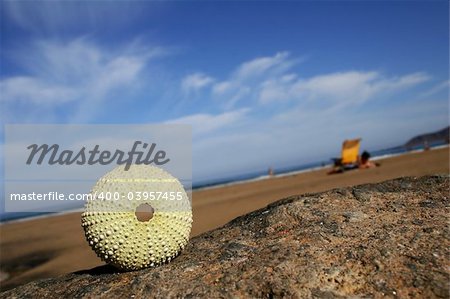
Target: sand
52	246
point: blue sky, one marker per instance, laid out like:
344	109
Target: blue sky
263	84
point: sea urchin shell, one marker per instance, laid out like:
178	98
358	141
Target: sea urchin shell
114	232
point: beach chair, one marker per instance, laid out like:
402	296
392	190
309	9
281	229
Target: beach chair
349	156
350	151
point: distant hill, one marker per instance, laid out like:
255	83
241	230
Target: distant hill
441	135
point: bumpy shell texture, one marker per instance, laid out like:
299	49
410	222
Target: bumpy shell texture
114	232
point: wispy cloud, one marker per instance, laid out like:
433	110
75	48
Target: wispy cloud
35	91
443	86
244	80
78	72
44	17
342	88
203	123
194	82
274	79
262	66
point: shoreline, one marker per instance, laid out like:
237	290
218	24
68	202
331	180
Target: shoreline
295	172
231	184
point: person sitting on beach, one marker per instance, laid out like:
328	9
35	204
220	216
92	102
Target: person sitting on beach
364	161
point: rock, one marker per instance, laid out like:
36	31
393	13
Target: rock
335	244
361	195
354	216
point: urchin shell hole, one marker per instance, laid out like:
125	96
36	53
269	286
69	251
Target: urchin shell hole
144	212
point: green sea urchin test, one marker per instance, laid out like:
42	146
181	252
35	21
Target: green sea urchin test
113	229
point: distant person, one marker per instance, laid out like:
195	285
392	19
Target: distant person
271	173
426	146
365	161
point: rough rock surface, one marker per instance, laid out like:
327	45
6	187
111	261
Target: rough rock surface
370	241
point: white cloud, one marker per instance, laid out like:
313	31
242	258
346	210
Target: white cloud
31	89
271	79
77	72
445	85
222	87
245	79
337	85
343	88
203	123
276	89
280	62
194	82
52	17
240	93
408	80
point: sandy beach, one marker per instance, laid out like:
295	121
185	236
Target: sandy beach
52	246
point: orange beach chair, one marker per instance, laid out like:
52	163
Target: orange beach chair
349	156
350	151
